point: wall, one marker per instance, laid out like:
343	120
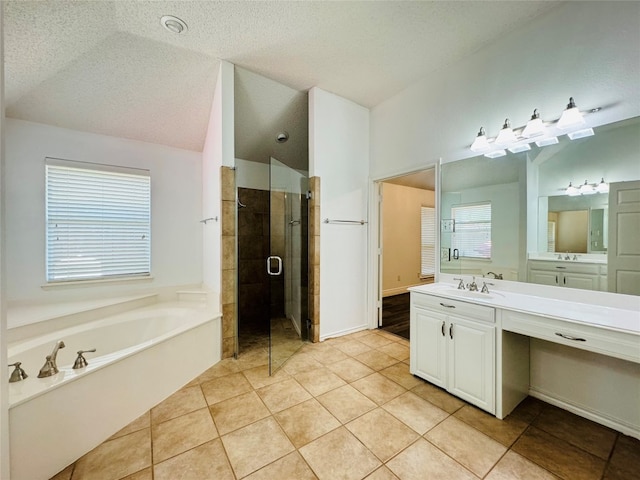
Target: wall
401	249
588	50
176	239
339	155
572	231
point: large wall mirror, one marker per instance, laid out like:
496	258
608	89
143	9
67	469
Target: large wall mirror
512	216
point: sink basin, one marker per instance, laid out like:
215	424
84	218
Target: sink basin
475	295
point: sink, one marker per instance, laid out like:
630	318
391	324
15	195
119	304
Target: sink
475	295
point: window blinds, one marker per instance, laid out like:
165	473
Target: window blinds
427	241
98	221
472	230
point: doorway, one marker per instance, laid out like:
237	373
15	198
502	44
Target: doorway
407	241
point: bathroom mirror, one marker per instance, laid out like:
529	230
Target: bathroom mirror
520	225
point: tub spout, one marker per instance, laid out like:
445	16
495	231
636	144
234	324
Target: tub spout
50	366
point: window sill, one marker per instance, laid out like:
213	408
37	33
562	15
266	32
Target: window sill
96	282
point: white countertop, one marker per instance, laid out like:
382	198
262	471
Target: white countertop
598	259
620	319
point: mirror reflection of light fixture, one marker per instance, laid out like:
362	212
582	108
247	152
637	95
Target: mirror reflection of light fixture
602	187
506	135
587	189
534	127
523	147
544	142
572	191
495	154
480	143
585	132
571	117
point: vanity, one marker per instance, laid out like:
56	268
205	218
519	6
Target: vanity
588	273
493	349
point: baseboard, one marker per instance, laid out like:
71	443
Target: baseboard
598	417
342	333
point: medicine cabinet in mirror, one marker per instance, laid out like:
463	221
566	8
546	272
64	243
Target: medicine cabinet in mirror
508	215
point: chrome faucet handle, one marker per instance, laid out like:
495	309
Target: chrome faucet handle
485	289
18	373
461	284
48	369
81	362
559	256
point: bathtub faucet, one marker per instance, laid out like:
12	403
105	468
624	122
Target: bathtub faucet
50	367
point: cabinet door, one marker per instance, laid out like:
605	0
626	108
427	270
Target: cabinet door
428	346
580	280
543	278
471	362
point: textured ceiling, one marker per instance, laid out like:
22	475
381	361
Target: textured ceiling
109	67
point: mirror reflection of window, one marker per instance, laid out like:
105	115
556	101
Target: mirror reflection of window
472	231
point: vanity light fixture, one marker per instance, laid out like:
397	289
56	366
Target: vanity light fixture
495	154
571	117
480	143
587	189
572	191
585	132
523	147
174	24
544	142
534	127
506	135
602	187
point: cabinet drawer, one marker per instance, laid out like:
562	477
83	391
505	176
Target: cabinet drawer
567	266
586	337
453	307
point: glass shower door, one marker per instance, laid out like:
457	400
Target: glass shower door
287	263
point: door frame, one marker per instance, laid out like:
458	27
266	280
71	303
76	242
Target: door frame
375	250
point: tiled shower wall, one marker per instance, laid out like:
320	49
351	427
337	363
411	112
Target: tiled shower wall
229	270
314	258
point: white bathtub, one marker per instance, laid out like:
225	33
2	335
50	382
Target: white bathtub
142	357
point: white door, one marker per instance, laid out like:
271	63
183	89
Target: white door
623	257
428	345
471	360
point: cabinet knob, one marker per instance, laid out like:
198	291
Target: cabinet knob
451	331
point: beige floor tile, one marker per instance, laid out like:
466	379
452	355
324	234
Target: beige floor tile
422	461
224	367
306	422
383	473
374	341
140	423
515	467
350	369
528	410
396	350
382	433
116	458
238	412
328	355
466	445
290	467
146	474
557	456
399	373
223	388
206	461
576	430
319	381
392	336
252	358
183	401
417	413
376	359
504	431
378	388
180	434
346	403
352	347
339	455
255	446
438	397
283	395
64	474
300	363
625	460
259	376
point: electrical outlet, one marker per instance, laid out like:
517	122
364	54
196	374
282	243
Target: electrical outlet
447	226
445	254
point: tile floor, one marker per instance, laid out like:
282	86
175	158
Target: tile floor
347	408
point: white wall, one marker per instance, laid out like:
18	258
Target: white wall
217	151
252	174
588	50
339	155
176	239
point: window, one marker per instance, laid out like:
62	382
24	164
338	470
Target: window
472	230
98	221
427	241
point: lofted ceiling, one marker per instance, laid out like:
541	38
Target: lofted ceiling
109	67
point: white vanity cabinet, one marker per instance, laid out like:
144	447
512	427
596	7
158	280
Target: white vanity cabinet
453	347
587	276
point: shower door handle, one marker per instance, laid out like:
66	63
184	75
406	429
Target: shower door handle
277	259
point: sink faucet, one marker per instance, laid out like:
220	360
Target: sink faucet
50	367
485	288
473	286
567	257
496	276
461	284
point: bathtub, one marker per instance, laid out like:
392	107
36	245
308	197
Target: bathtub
142	357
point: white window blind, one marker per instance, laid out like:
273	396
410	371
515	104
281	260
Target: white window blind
427	241
472	230
98	221
551	236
